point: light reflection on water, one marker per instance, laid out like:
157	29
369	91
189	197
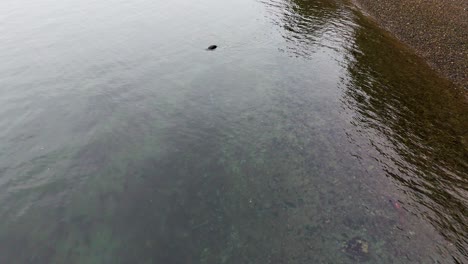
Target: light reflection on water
124	141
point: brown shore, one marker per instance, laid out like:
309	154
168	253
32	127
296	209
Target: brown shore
436	29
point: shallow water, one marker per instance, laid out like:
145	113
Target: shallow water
122	140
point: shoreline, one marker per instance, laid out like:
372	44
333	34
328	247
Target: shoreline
434	29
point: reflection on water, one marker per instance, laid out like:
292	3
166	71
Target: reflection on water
425	123
309	136
307	25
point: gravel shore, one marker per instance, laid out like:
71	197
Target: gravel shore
436	29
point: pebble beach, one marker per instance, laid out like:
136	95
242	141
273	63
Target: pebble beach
436	29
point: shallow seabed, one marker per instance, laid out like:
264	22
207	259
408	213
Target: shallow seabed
308	136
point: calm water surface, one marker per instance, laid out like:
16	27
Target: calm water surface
308	136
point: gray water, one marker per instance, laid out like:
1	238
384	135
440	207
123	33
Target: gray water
308	136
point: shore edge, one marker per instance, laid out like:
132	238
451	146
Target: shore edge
434	29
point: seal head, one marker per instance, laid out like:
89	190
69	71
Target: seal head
212	47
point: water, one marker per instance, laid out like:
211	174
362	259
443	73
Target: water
308	136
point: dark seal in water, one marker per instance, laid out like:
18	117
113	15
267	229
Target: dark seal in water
212	47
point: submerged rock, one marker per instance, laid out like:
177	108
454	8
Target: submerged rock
357	249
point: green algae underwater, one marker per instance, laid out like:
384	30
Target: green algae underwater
289	143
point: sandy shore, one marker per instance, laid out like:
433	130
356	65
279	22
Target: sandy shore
436	29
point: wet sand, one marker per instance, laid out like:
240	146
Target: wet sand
435	29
